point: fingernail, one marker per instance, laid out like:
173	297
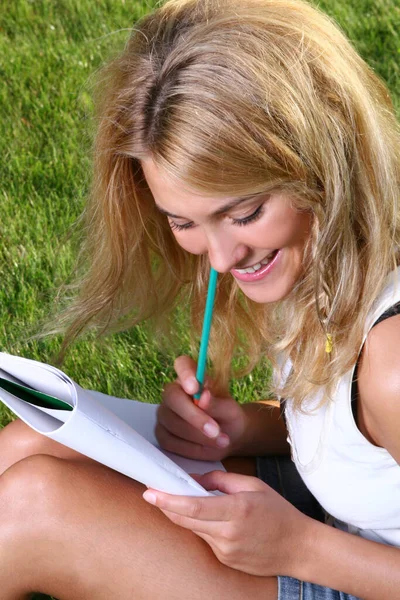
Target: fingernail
222	441
211	430
150	497
205	394
192	385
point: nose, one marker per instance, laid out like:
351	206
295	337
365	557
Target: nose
225	253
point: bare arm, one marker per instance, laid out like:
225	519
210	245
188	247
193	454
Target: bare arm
265	432
354	565
346	562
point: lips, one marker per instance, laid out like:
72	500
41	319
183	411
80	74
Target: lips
259	270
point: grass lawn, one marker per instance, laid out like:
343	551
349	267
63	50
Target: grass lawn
49	49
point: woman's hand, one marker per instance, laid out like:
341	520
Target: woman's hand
252	528
208	429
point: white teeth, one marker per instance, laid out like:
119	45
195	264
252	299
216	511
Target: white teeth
266	260
243	270
258	266
253	269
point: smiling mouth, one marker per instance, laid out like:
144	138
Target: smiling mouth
257	266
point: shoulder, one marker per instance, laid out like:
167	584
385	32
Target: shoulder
379	384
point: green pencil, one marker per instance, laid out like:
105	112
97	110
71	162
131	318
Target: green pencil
205	334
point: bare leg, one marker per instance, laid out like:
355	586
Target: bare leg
151	557
79	531
18	441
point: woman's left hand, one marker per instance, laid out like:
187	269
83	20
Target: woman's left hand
251	528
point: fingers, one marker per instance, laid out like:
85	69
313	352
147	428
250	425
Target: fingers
185	368
230	483
214	508
179	403
190	428
170	424
188	448
205	529
220	409
196	508
177	426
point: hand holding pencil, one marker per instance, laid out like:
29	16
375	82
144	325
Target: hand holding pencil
209	428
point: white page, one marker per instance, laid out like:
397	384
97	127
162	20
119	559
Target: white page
60	415
31	373
142	417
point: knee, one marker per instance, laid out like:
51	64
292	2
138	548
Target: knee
32	533
21	441
32	487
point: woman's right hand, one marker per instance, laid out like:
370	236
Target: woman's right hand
209	429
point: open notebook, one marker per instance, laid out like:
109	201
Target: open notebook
113	431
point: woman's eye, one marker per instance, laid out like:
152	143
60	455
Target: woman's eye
250	218
243	221
180	227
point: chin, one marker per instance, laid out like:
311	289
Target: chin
264	296
267	293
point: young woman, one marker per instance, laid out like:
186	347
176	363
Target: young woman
249	135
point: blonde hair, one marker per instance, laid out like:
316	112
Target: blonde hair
235	97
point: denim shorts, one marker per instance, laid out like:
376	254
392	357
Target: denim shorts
280	473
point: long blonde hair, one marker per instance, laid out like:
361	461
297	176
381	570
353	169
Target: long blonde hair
235	97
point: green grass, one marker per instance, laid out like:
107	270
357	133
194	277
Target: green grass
49	50
374	28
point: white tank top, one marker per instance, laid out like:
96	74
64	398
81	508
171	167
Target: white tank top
357	483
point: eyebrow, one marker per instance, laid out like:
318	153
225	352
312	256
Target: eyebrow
227	207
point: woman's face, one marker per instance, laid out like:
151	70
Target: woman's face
259	240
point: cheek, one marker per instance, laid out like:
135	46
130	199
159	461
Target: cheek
192	241
287	228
